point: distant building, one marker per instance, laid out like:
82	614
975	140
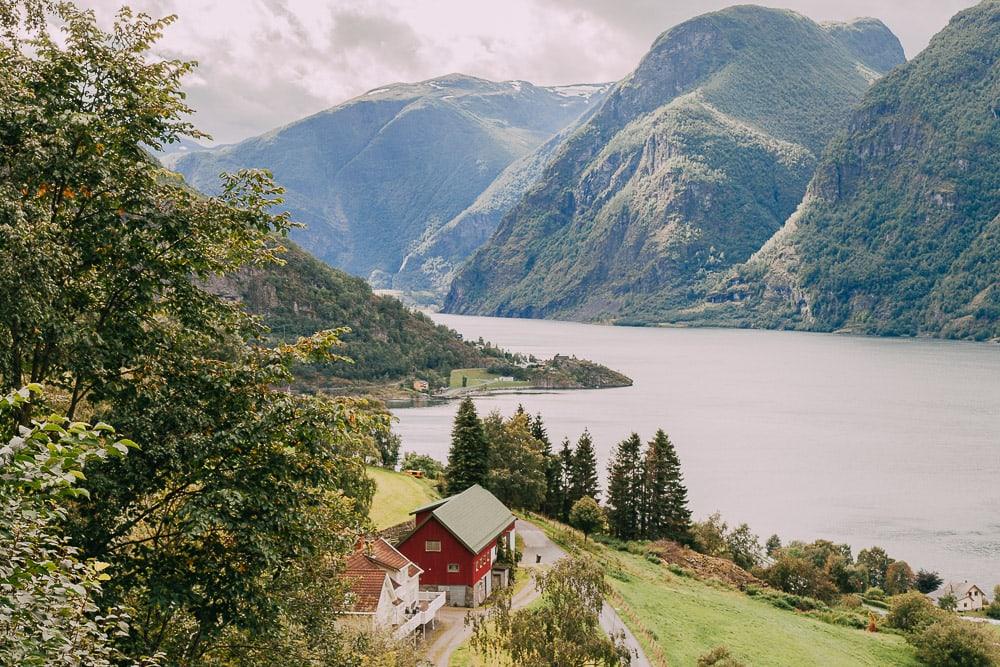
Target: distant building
384	591
454	542
421	385
968	597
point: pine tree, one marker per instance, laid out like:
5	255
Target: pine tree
553	481
666	511
584	471
468	459
625	486
566	499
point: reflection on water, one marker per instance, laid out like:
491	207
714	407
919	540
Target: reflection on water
869	441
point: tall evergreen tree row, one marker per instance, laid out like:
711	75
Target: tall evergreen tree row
647	498
514	459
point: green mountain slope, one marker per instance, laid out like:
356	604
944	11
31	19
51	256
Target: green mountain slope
899	232
387	342
692	162
374	175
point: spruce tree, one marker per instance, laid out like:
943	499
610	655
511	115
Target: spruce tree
566	499
625	484
584	472
468	458
553	481
666	514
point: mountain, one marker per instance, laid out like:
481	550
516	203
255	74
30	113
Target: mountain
428	269
689	165
387	342
373	176
899	232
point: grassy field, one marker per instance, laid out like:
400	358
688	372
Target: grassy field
677	619
480	377
396	495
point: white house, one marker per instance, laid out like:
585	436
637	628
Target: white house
968	597
384	591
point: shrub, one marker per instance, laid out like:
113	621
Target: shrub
719	657
912	612
954	643
874	593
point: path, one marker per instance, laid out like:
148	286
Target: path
538	550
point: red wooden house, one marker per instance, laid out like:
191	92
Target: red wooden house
455	544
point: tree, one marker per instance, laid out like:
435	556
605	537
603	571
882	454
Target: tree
899	578
553	470
948	602
49	596
953	643
874	565
584	470
993	611
517	466
431	467
562	630
912	612
625	489
387	445
772	545
566	459
587	516
468	458
667	513
102	299
927	582
709	536
799	576
743	546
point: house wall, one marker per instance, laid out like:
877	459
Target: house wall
472	584
435	564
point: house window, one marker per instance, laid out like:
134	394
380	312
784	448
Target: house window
453	567
432	545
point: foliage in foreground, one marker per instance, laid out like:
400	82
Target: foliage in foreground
562	630
239	489
50	607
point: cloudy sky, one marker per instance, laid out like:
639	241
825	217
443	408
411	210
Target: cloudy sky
264	63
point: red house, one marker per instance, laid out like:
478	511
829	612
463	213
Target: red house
455	544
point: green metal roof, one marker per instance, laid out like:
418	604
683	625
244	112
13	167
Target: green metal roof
474	516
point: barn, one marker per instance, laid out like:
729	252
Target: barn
455	542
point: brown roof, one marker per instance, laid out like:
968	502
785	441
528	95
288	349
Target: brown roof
366	588
366	569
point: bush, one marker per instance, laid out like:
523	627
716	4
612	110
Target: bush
912	612
719	657
954	643
874	593
432	468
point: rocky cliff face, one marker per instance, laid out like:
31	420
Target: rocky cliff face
373	176
689	166
899	231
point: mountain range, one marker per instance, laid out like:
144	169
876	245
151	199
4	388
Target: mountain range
899	231
382	174
691	163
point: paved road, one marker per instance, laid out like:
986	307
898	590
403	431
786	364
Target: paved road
538	550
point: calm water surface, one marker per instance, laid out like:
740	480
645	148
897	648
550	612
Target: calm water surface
859	440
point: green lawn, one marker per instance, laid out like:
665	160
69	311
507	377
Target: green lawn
397	495
480	377
678	619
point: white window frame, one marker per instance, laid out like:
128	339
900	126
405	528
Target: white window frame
428	547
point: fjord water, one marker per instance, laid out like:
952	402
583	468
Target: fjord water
894	442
